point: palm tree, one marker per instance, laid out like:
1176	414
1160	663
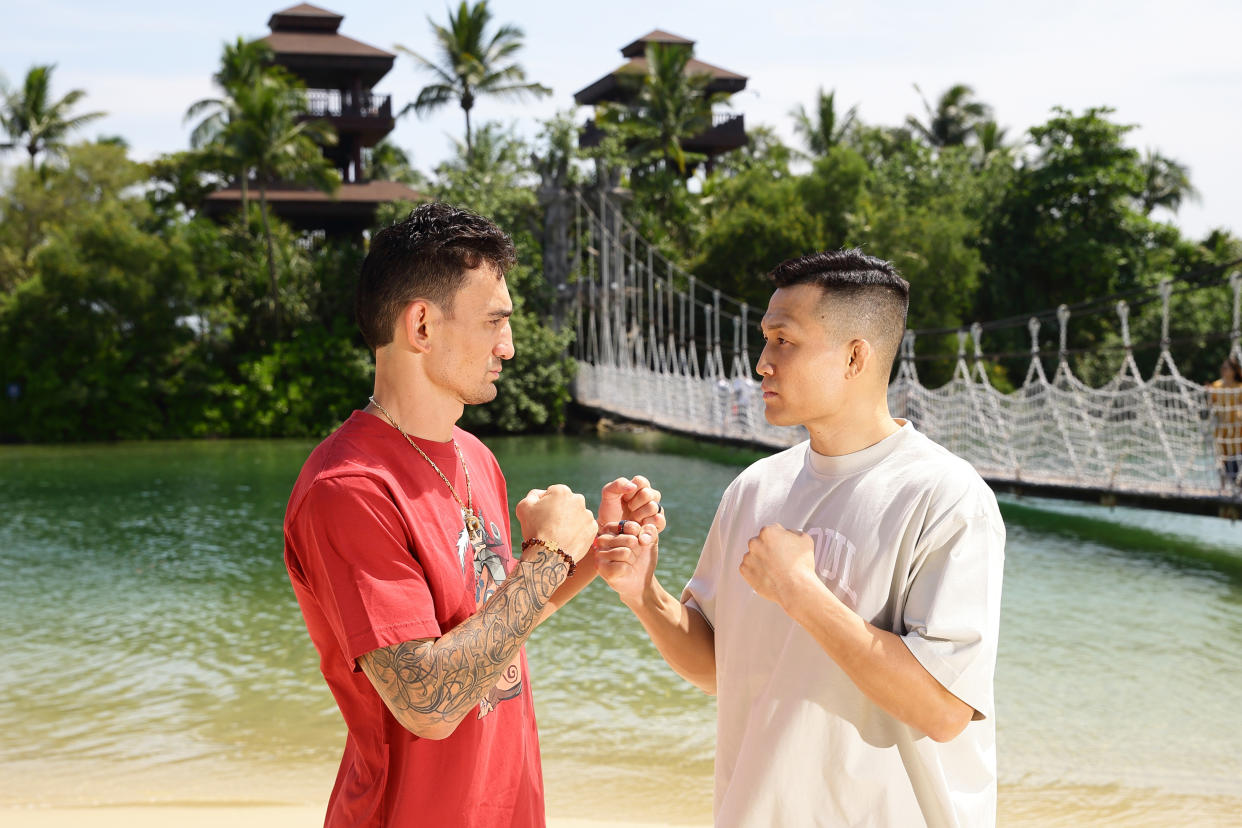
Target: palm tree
955	119
823	132
668	107
472	63
271	137
33	121
258	127
388	162
991	143
991	137
243	65
1166	183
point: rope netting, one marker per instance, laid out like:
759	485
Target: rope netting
652	343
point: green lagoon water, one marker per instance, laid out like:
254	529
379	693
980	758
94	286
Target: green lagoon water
153	650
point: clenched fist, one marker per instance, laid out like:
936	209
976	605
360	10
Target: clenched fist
625	556
777	559
558	515
632	499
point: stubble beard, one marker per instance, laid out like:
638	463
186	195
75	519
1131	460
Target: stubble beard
478	396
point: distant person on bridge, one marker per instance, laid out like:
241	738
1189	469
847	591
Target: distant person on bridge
1225	395
846	604
397	544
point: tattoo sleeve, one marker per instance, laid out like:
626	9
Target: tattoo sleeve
431	684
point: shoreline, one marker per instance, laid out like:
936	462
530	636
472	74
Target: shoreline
1053	806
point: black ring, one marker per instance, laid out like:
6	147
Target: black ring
621	527
659	508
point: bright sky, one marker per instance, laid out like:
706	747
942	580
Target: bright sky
1173	69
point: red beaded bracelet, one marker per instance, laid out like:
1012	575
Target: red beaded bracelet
551	547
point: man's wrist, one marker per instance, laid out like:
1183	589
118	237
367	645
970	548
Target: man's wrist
802	592
548	551
653	599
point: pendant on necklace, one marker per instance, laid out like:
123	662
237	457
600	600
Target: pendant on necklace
474	531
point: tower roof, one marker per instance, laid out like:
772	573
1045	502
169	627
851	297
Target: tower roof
304	17
305	41
610	87
639	47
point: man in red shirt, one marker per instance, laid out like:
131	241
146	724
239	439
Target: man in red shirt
397	545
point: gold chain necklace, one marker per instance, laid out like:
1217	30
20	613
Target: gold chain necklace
474	526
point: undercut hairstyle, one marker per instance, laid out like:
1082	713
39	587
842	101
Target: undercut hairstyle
867	291
424	256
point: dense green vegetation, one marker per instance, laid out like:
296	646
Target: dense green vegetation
125	313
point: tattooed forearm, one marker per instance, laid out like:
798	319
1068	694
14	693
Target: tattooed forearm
430	685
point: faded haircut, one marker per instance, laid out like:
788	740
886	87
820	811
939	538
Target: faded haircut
424	256
867	290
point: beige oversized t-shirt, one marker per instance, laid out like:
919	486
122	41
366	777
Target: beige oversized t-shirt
909	537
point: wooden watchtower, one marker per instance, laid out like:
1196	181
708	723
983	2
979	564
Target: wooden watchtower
340	74
728	129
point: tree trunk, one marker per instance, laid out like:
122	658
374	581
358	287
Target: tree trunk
245	198
271	258
554	195
467	102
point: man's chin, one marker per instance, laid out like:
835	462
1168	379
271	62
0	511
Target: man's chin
776	417
482	395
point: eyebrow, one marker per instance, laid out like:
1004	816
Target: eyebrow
501	314
779	323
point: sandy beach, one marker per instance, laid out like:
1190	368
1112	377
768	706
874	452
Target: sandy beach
1068	807
249	816
1057	806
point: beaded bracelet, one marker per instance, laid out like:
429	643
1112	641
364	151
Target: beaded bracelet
551	547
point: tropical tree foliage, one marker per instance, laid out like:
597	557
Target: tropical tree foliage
1166	183
955	118
243	64
125	314
35	122
823	129
388	162
258	128
473	62
668	106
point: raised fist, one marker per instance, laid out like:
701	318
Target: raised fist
558	515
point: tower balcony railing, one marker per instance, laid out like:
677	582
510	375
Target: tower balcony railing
333	103
728	131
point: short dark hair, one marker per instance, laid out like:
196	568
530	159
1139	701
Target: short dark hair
423	257
876	295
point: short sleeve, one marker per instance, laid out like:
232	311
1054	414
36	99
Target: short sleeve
700	592
952	608
353	553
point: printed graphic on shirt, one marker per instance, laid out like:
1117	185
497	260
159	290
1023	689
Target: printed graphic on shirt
489	574
834	561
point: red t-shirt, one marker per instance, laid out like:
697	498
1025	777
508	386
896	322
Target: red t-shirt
377	552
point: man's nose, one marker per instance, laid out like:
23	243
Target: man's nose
763	367
504	348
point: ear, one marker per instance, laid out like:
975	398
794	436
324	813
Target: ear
416	322
860	354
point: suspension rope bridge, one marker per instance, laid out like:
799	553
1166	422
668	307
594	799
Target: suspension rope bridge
655	346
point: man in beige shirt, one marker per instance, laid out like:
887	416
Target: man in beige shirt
846	604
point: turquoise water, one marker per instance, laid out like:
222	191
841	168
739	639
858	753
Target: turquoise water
154	651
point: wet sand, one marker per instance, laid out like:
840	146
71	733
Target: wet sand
185	816
1060	806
